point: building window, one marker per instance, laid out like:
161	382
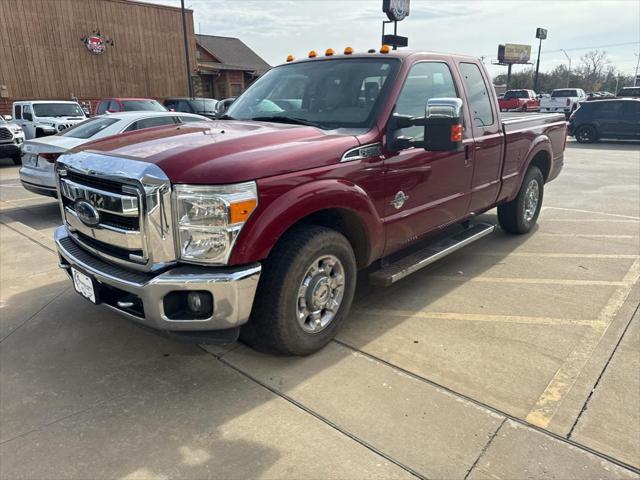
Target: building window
236	89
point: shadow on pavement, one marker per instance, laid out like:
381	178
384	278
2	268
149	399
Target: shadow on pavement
616	145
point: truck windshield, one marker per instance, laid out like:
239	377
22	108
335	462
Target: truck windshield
340	93
57	110
564	93
516	94
142	105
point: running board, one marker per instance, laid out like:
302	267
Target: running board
428	255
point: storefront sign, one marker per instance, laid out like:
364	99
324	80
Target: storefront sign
96	43
396	10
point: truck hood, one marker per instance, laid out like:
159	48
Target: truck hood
60	120
228	151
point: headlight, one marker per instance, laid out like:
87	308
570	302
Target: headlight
209	219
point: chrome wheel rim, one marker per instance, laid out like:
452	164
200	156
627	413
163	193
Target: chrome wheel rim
586	134
531	199
320	294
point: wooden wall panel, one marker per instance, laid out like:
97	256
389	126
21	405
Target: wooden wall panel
42	57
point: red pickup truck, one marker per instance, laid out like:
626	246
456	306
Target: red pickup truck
325	166
519	101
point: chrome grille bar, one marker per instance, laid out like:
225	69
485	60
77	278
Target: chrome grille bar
124	205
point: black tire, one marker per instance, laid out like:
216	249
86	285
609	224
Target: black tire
586	134
512	216
17	159
274	325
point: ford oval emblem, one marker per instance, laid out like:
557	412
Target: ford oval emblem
87	213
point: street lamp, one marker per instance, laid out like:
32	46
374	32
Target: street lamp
569	72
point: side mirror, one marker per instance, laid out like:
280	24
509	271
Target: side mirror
443	125
27	116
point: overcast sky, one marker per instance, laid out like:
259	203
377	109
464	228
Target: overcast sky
275	28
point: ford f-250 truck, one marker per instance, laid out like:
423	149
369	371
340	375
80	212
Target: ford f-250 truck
325	166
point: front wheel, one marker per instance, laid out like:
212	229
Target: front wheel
521	214
305	292
586	134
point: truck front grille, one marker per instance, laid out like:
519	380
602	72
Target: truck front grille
128	219
5	134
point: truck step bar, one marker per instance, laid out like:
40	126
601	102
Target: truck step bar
395	271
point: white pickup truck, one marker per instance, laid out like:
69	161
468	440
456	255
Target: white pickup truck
563	100
46	117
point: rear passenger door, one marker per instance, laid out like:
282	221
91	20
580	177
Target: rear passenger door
630	119
487	135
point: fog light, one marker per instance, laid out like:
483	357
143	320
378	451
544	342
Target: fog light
194	302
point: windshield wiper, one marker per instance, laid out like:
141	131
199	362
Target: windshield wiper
225	117
294	120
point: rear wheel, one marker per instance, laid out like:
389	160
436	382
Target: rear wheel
305	292
586	134
521	214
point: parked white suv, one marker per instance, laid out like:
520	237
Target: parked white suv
11	140
563	100
46	117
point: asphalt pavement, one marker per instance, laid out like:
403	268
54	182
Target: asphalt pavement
516	357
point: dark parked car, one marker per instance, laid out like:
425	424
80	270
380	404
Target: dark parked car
633	92
201	106
616	119
223	105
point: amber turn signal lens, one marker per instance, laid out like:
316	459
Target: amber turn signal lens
348	51
290	58
313	54
385	49
239	212
329	52
456	133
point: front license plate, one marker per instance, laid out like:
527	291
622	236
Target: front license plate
83	285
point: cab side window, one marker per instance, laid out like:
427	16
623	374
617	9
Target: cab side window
478	95
425	80
26	113
151	122
17	112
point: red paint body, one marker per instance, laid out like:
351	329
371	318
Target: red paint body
299	171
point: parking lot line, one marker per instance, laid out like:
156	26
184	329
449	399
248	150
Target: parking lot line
532	281
591	212
562	382
473	317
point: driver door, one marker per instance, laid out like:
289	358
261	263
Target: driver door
425	191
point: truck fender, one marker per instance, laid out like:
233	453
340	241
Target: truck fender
274	217
541	144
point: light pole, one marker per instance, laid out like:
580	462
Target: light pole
635	77
541	33
569	72
186	48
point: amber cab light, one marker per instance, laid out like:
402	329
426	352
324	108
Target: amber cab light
329	52
456	133
385	49
313	54
348	51
50	157
290	58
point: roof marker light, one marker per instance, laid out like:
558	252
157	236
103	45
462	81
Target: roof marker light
371	50
329	52
348	51
290	58
385	49
313	54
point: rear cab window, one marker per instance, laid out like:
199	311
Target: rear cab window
477	95
564	93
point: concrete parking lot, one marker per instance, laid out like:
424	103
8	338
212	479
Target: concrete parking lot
517	357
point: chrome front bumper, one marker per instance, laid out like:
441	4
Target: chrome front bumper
233	289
